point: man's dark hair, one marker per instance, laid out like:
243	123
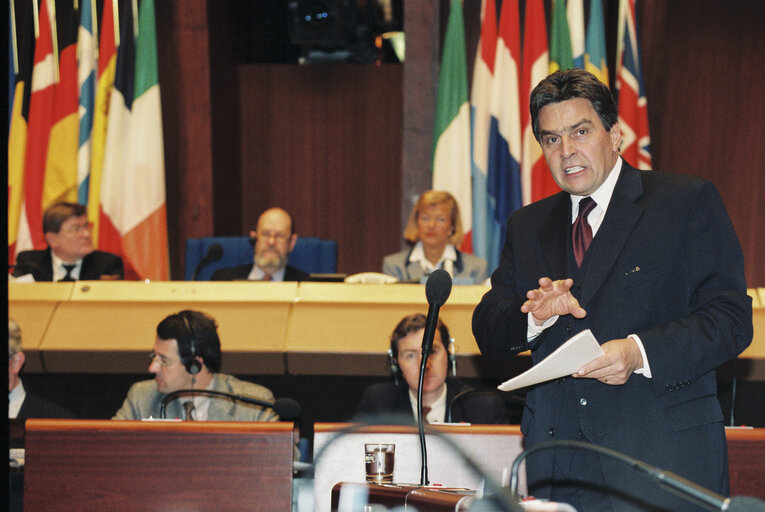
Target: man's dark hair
566	85
184	325
414	323
58	213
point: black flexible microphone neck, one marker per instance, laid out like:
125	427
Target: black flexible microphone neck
214	253
437	290
479	391
286	408
675	483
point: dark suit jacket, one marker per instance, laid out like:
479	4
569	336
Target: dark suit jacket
391	398
665	265
34	406
94	265
37	407
242	271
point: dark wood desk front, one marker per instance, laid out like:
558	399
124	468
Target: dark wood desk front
83	465
746	461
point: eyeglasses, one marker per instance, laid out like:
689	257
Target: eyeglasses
276	235
75	229
163	361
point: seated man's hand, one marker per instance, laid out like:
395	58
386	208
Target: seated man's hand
550	299
621	358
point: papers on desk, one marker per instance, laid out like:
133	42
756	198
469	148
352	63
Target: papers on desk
566	360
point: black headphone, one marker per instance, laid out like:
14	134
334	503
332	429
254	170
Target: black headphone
192	365
451	355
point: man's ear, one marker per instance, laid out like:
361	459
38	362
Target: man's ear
293	241
616	137
18	361
50	238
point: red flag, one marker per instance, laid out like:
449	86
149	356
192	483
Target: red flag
41	108
632	103
536	178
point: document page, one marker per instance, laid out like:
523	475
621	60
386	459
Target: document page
566	360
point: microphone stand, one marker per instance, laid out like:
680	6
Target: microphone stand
671	481
284	407
420	419
437	290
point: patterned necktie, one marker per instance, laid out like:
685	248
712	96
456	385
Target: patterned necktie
267	277
425	410
581	234
189	408
68	277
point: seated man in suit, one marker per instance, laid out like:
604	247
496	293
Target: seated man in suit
70	255
274	240
21	403
438	390
187	355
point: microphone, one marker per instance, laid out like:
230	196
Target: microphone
286	408
214	253
437	290
671	481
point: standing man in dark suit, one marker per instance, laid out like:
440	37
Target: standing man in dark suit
438	389
662	288
70	255
274	240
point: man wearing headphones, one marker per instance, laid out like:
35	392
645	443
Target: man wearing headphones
187	355
438	390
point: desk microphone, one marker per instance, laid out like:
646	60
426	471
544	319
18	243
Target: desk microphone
214	253
437	290
286	408
675	483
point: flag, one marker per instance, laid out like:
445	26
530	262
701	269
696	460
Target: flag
21	63
451	142
595	60
632	103
107	61
39	124
561	56
133	219
575	10
480	97
505	141
60	182
87	62
535	177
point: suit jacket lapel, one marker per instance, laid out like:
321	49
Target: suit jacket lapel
554	238
620	220
221	409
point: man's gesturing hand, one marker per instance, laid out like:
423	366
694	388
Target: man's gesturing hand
550	299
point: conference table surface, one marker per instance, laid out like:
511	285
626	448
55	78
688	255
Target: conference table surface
307	328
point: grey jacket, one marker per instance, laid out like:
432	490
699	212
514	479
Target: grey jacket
144	401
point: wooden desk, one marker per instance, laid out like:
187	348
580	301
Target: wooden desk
340	458
746	461
265	328
81	465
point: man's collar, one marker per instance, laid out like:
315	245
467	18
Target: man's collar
602	196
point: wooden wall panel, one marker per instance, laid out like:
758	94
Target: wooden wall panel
703	79
324	142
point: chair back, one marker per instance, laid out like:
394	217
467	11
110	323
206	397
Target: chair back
311	254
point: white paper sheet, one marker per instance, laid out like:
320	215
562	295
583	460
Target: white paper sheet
566	360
